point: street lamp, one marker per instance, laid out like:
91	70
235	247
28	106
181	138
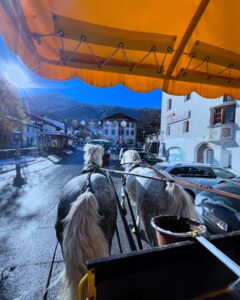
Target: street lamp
83	124
17	139
18	181
123	123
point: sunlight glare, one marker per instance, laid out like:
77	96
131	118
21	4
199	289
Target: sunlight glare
16	76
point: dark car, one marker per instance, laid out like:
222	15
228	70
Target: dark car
149	158
146	157
199	173
121	146
219	213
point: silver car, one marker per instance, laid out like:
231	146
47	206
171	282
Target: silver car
203	174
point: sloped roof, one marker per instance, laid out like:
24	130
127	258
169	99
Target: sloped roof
119	116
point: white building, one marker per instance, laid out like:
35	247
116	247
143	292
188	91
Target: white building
201	130
31	134
119	129
53	134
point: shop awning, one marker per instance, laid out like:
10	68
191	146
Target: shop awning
178	46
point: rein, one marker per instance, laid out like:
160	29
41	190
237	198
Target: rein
180	182
94	168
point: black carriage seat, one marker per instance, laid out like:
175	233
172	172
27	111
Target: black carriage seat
178	271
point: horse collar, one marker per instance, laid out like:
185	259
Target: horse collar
134	166
92	168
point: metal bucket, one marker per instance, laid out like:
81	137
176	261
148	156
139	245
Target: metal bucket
172	229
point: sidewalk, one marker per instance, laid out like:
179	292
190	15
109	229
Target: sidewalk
8	165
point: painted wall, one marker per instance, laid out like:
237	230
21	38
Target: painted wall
197	111
113	132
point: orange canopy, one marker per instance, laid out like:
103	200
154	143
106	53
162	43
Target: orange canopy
178	46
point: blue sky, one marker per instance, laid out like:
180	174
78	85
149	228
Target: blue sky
30	84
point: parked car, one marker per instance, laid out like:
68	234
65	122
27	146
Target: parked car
199	173
121	146
220	213
147	157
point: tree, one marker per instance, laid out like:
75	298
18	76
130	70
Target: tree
149	121
11	113
9	103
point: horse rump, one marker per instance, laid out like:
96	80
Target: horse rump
83	239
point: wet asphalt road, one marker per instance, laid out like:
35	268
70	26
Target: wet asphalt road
27	231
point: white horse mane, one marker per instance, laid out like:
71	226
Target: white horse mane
154	198
93	154
130	156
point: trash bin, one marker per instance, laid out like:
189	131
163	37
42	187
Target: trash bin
173	229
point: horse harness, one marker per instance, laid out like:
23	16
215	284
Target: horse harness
144	165
89	170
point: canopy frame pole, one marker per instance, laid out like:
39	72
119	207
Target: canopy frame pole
38	36
126	58
169	50
109	57
83	39
191	27
227	261
92	53
62	50
144	57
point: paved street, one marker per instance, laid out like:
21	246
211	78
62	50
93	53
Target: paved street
27	231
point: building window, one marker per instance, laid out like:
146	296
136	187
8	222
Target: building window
224	114
168	130
229	114
169	104
113	131
106	131
132	125
132	132
186	126
227	98
187	97
128	125
127	132
217	115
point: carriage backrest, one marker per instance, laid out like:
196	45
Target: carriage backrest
178	271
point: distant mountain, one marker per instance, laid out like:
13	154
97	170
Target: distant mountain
60	107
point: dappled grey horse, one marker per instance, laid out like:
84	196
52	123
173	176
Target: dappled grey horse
86	220
153	197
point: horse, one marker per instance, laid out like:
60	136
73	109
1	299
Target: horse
153	197
86	220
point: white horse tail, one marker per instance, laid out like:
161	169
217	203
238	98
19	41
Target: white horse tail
82	239
182	204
